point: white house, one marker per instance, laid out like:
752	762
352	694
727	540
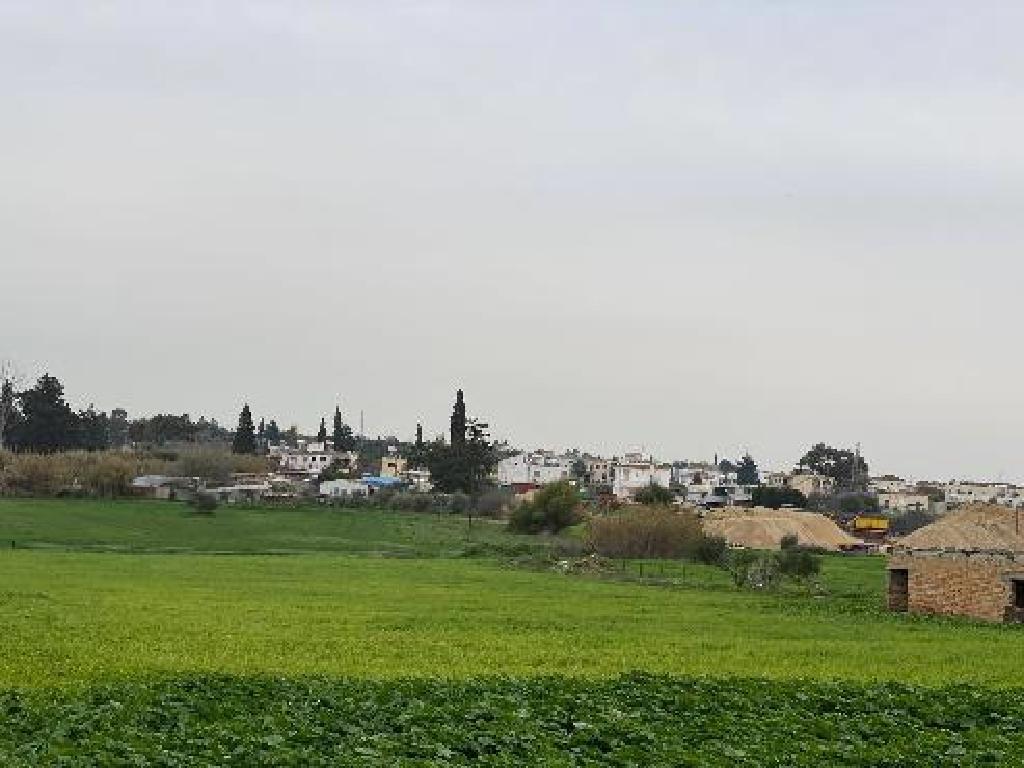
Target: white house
539	467
313	459
419	480
342	487
963	492
888	484
635	471
900	502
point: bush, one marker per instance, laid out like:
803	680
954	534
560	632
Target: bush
789	541
555	507
647	532
752	569
775	498
203	503
102	473
711	550
458	503
910	521
493	503
798	563
654	494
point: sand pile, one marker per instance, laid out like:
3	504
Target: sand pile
979	526
763	528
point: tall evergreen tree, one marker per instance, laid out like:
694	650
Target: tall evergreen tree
344	440
458	431
261	431
273	432
6	409
321	435
245	435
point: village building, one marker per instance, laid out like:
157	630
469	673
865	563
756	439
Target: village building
811	483
901	502
597	471
960	493
312	459
635	471
393	465
418	480
534	468
888	484
969	563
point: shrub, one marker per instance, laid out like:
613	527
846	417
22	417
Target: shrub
205	463
100	473
493	503
648	532
204	503
711	550
910	521
555	507
752	569
654	494
458	503
789	541
798	563
774	498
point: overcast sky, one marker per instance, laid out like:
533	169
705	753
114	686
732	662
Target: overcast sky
688	226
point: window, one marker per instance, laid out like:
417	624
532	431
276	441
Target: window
1018	594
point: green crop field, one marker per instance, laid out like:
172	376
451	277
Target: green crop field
389	640
74	618
158	526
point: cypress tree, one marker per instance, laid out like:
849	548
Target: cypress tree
321	435
458	436
343	440
245	434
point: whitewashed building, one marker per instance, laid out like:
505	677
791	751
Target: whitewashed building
901	502
889	484
635	471
313	459
343	488
964	492
538	467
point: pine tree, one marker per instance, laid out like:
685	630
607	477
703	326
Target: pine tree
321	435
746	471
273	432
45	422
245	435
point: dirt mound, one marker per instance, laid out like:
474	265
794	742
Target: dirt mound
763	528
976	527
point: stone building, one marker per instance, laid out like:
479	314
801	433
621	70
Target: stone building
970	563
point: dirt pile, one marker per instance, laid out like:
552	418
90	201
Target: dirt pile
976	527
763	528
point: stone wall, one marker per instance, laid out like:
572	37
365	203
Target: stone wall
956	583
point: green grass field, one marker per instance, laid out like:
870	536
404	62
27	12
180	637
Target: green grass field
127	603
156	526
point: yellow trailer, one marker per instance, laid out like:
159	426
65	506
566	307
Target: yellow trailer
871	524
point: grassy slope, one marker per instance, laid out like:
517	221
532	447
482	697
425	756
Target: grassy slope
75	618
168	526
